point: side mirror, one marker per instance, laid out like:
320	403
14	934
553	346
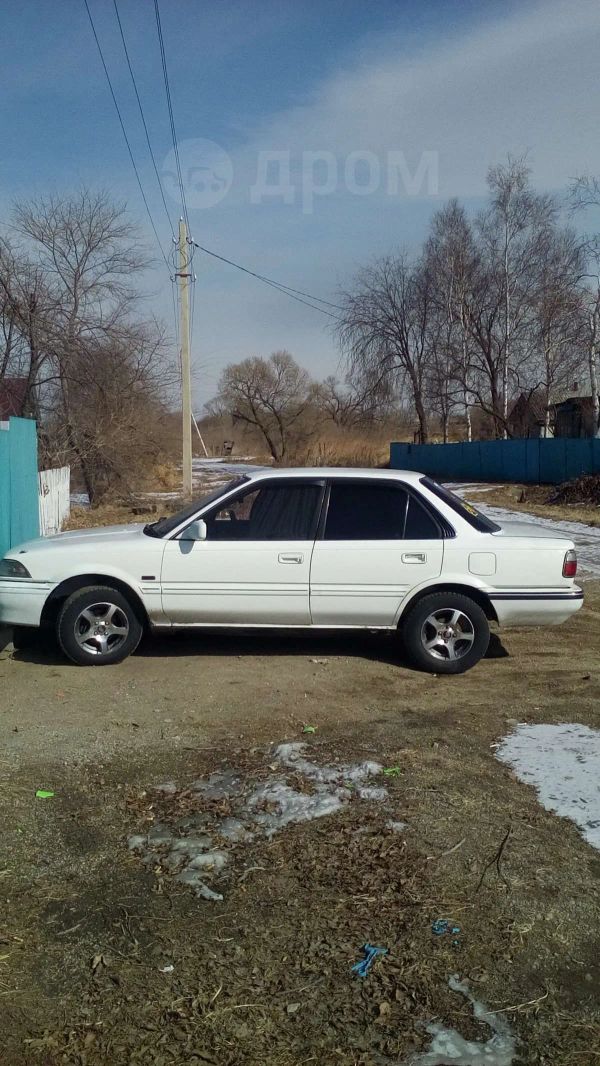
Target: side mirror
196	530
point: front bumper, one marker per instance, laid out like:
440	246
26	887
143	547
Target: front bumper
536	607
22	601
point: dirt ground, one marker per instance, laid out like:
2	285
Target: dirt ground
88	934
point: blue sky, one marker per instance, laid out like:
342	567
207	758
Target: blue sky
451	84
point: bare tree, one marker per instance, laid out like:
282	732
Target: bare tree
26	304
585	193
451	256
512	240
270	394
90	255
557	325
383	329
348	404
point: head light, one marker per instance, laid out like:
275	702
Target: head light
13	568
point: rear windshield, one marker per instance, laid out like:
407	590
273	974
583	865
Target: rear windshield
466	510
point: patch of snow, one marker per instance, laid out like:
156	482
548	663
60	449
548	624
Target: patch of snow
193	879
396	827
371	792
291	755
265	810
449	1048
288	806
225	464
562	762
80	499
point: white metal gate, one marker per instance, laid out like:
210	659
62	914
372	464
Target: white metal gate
55	505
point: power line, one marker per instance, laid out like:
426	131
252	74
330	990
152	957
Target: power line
124	131
137	96
287	290
170	109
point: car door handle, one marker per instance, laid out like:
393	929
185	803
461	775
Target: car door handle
291	557
414	557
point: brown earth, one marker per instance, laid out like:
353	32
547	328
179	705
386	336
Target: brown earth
265	976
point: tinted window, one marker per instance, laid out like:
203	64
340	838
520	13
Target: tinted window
164	526
419	523
466	510
366	512
271	512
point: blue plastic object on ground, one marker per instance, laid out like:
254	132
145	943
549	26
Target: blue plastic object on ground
442	925
371	952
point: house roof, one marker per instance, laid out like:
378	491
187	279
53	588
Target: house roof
533	402
12	396
568	396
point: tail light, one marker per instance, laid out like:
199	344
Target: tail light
570	564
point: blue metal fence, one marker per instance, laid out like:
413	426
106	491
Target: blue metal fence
19	510
536	461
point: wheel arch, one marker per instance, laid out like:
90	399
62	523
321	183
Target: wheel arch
80	581
472	591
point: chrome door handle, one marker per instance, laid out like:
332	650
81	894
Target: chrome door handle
414	557
289	557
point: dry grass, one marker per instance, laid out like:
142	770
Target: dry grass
118	513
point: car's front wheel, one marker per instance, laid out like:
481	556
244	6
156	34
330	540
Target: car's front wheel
97	626
446	633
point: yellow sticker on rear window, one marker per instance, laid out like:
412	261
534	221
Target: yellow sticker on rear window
471	510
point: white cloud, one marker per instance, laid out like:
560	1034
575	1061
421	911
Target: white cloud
528	82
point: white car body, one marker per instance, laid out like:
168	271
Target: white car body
515	572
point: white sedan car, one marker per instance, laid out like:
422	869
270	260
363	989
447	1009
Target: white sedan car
373	549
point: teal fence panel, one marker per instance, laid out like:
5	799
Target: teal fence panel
535	461
19	506
4	492
553	461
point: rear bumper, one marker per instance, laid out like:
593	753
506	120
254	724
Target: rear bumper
539	607
22	601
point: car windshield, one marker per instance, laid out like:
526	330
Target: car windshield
466	510
166	525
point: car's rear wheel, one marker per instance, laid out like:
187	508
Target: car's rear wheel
97	626
446	633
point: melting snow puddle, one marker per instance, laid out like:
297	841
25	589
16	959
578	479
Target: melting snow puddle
449	1048
563	763
263	810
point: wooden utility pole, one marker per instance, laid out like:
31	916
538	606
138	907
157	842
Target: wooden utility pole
184	275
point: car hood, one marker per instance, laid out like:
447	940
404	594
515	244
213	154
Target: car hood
528	529
87	537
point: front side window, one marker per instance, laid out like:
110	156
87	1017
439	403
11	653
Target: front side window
376	511
268	512
163	526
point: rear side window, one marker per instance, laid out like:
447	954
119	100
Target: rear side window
375	511
466	510
419	524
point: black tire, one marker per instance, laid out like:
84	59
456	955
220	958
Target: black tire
109	632
455	628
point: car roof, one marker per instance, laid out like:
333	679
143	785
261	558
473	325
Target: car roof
334	471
